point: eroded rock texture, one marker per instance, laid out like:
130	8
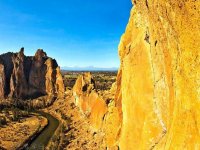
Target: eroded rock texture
158	94
59	83
29	77
100	108
2	79
88	101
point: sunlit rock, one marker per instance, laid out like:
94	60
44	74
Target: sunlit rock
60	88
2	79
88	101
160	76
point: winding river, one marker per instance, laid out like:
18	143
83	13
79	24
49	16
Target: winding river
41	140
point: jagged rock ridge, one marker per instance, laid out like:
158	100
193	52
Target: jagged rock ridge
29	77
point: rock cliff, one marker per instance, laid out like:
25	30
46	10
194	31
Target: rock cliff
157	100
100	108
88	101
158	94
29	77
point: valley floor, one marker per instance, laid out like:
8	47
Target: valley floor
15	134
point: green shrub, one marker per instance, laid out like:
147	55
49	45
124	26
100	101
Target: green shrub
2	121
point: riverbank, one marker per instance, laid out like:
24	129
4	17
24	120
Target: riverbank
41	140
15	134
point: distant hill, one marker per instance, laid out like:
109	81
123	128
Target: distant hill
89	68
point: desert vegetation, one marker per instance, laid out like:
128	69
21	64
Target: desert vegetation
17	126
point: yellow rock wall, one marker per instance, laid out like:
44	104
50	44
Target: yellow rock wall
50	73
160	76
88	101
60	87
2	79
103	117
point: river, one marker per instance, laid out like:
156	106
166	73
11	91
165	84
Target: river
41	140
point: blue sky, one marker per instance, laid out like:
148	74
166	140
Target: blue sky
74	32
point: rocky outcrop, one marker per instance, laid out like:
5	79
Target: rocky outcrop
50	76
2	79
100	108
60	88
18	82
37	74
29	77
159	78
88	101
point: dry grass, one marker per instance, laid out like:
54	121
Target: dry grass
14	134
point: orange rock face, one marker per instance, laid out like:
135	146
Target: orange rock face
158	94
60	87
2	79
102	111
54	81
29	77
90	104
50	76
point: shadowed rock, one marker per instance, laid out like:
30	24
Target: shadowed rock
29	77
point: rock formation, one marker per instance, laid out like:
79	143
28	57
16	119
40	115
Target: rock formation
159	78
37	73
59	83
2	79
99	107
89	102
18	81
157	101
29	77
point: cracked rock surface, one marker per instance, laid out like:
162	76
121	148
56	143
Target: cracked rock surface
159	76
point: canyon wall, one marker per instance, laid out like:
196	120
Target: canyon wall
159	78
99	108
29	77
157	100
